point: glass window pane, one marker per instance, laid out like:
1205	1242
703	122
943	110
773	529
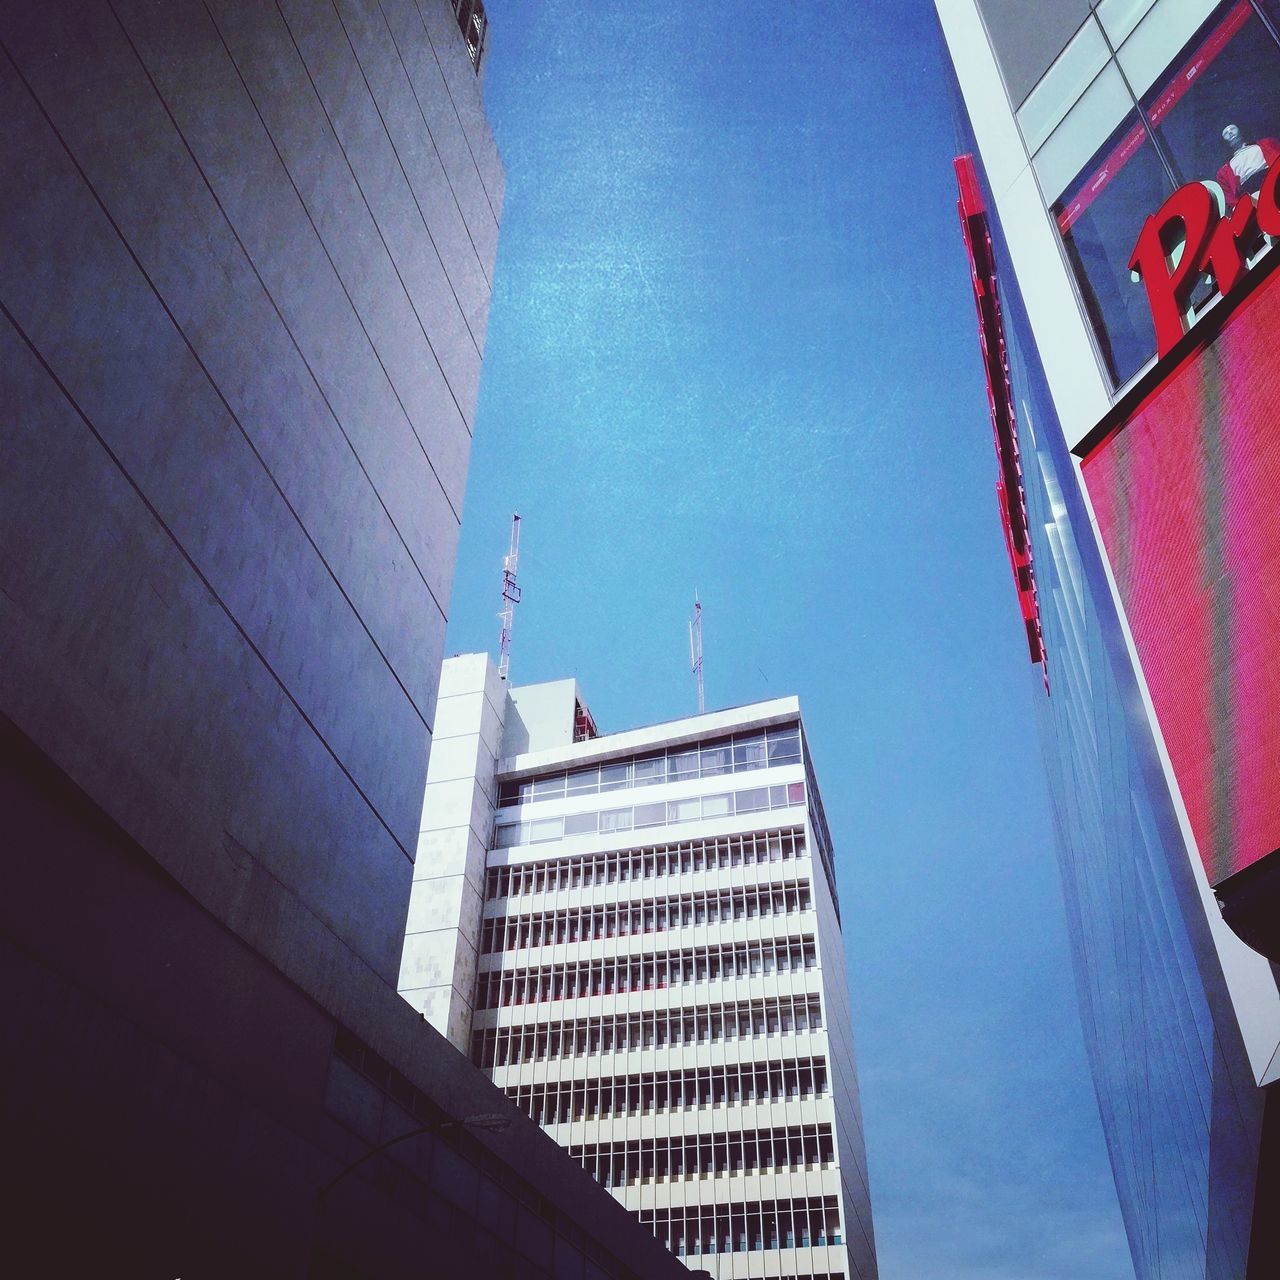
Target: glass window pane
1217	110
576	824
509	793
508	834
748	753
650	815
645	773
615	820
584	781
1063	84
1147	53
784	746
545	829
795	793
716	760
683	764
683	810
615	776
545	788
1084	132
1099	216
1119	17
752	801
716	806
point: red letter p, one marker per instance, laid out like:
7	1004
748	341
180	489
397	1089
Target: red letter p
1192	210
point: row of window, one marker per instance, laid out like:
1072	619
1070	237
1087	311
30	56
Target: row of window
652	1029
564	1101
626	919
734	754
705	1155
663	813
746	1227
616	975
683	858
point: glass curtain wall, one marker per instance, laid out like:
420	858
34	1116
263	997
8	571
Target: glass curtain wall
1147	97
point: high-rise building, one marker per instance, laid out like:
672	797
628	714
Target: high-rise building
1118	193
247	252
637	935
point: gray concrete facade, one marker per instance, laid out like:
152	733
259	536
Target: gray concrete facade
242	302
246	266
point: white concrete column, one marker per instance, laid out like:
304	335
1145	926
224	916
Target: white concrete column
442	940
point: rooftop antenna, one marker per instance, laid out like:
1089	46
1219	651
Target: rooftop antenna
510	598
695	650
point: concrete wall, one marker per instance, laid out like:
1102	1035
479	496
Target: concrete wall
540	717
173	1105
438	968
242	302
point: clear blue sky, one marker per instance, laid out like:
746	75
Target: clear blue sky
732	346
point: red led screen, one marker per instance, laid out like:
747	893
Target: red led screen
1186	497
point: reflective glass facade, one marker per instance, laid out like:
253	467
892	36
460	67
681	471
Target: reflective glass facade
1180	1110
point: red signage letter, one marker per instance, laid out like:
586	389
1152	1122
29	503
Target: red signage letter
1269	203
1192	210
1224	258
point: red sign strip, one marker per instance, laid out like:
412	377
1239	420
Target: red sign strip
1010	494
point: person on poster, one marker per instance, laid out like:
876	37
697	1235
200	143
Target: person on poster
1243	173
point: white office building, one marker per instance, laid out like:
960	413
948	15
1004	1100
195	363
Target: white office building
637	935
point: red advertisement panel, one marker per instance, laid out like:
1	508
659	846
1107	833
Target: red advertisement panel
1186	498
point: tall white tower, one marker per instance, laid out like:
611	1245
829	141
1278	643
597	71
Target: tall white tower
659	972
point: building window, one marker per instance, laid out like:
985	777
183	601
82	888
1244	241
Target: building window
682	858
734	754
749	1226
1099	215
1224	121
1192	94
614	920
474	25
787	795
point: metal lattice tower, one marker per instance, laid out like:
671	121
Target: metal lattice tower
695	650
510	598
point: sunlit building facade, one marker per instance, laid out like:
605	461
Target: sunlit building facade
1118	199
638	937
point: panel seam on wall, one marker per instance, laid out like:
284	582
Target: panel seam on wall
217	390
333	128
461	127
195	568
443	167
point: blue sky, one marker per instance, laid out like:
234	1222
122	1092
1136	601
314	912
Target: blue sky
732	347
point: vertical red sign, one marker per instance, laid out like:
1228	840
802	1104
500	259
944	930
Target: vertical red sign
1010	494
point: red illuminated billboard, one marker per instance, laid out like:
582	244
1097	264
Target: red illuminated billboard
1185	490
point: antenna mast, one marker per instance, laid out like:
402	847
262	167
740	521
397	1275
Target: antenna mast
695	650
510	598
